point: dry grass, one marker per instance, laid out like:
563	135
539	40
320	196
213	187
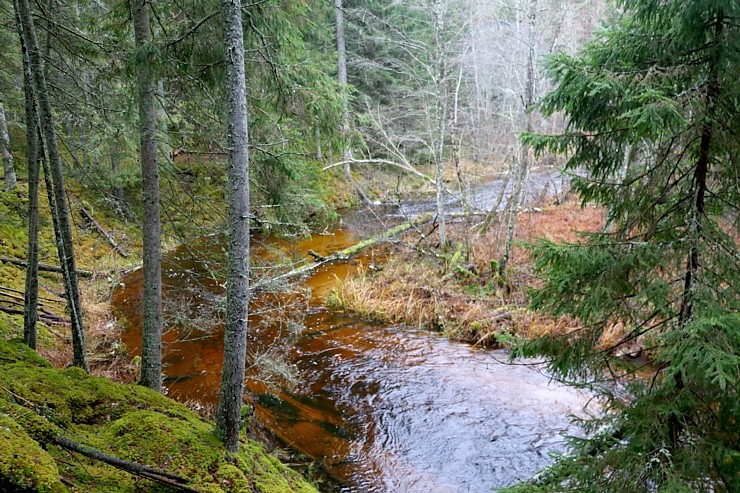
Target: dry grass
460	293
106	354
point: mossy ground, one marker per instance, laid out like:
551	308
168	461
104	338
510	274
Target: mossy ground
126	421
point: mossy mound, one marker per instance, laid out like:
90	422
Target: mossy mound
24	465
125	421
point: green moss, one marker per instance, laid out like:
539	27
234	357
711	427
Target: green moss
14	351
126	421
232	479
24	465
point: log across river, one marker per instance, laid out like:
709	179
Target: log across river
383	409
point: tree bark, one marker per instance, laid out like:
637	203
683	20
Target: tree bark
115	167
46	119
151	332
441	115
162	122
8	167
228	419
31	293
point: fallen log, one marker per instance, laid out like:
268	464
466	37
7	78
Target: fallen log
348	252
20	296
11	290
46	317
103	232
44	267
137	469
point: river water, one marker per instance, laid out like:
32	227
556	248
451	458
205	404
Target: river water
383	409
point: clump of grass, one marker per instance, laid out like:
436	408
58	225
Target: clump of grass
459	292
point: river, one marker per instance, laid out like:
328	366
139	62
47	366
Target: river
382	408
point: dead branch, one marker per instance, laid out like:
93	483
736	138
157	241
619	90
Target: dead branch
11	290
46	317
142	470
44	267
402	166
103	232
350	251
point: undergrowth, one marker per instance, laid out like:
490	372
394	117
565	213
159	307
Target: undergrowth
459	292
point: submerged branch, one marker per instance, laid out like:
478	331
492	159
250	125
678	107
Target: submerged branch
348	252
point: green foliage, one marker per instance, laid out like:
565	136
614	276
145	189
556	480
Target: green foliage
653	107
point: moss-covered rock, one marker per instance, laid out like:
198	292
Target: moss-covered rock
125	421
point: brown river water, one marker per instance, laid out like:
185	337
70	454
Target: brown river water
382	408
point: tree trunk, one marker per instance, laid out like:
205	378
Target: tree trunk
523	169
441	114
696	221
31	293
46	119
8	167
228	419
72	139
342	75
151	332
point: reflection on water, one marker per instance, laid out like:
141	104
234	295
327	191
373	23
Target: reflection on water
385	409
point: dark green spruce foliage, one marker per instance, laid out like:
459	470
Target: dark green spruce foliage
654	133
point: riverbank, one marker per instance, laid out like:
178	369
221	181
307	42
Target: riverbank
458	292
41	400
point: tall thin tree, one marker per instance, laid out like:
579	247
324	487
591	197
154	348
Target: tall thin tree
342	76
31	293
151	331
65	243
522	171
228	420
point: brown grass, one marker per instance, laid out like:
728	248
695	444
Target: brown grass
106	354
460	293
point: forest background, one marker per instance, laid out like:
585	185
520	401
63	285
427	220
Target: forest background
389	99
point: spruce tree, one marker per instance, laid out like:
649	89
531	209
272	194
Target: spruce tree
653	105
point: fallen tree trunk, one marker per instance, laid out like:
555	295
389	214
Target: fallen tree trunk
20	295
44	316
103	232
44	267
142	470
348	252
